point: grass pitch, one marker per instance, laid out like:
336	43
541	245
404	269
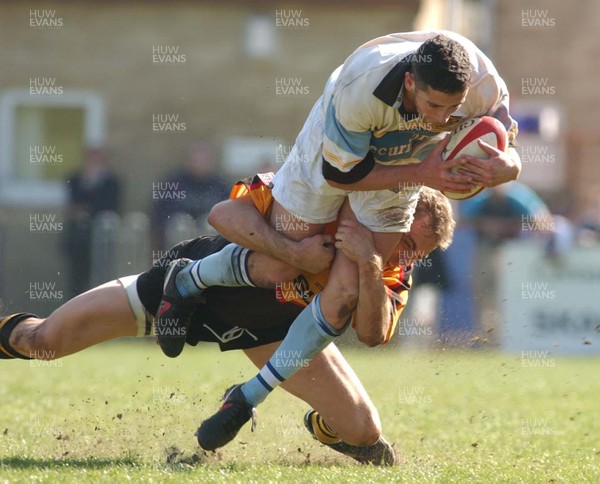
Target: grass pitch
122	412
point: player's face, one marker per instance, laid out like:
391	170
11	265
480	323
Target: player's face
436	107
416	244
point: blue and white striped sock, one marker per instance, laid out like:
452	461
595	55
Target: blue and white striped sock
308	335
228	267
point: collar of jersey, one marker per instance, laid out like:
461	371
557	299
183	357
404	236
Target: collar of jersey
390	88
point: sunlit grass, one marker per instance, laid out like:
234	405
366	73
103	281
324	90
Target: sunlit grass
117	411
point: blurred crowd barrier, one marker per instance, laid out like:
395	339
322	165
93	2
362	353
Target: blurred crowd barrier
549	302
122	245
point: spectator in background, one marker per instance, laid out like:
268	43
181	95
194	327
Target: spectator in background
431	281
500	213
193	189
93	189
588	226
507	212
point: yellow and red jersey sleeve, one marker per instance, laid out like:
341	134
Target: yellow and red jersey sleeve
398	281
258	188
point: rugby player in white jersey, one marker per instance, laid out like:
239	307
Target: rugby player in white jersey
362	141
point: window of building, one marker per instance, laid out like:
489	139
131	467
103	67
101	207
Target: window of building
42	140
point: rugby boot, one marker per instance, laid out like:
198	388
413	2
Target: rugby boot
224	425
174	313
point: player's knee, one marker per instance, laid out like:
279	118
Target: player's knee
371	339
370	435
282	272
367	428
372	427
347	294
338	309
216	216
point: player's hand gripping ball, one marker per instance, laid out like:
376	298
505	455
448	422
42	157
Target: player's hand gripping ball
463	141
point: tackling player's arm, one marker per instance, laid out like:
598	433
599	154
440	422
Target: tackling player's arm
241	221
371	320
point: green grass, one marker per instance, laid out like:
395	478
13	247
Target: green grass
111	412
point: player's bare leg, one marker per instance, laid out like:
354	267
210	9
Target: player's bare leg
98	315
342	415
330	386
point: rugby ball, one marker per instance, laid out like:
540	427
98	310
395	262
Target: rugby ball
463	141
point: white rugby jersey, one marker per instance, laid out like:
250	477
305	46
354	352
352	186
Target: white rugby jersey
362	98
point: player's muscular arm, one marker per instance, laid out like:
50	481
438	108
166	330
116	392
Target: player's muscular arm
432	172
372	315
239	221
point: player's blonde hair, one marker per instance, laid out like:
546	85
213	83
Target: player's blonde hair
434	204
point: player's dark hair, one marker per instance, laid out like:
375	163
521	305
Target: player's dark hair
442	64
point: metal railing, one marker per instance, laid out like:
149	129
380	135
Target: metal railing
123	245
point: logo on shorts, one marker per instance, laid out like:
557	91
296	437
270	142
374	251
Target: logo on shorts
231	334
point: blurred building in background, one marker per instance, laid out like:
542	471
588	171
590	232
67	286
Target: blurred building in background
146	79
